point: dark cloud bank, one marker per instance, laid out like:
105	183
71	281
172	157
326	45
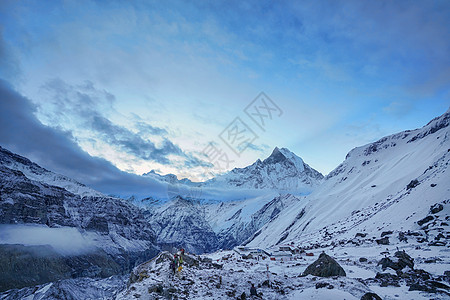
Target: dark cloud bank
22	133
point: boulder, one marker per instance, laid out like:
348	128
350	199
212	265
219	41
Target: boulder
402	237
370	296
404	259
436	208
400	261
325	266
387	279
383	241
412	184
425	220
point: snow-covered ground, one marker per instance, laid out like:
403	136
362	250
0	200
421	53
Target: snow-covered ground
233	275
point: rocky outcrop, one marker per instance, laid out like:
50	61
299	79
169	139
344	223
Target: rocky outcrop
400	260
324	266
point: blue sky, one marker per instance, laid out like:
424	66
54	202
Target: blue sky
149	84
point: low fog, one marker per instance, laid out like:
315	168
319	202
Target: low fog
64	240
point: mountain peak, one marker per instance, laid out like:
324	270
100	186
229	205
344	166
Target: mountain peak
281	170
282	154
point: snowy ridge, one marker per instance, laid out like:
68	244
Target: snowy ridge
387	185
170	178
282	170
37	173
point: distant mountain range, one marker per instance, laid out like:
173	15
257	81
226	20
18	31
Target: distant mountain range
282	170
397	186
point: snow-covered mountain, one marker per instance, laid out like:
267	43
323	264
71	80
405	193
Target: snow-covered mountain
391	193
386	186
170	178
35	172
181	223
55	233
282	170
236	221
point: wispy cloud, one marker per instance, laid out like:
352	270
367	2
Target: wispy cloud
83	106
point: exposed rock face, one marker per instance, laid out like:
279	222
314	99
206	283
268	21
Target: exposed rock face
31	265
182	224
325	266
120	235
25	201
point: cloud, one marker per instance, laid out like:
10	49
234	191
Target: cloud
55	149
82	106
259	148
64	240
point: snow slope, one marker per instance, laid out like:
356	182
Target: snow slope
374	190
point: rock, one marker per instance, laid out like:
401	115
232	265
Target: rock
436	208
386	262
388	279
425	220
383	241
156	288
386	233
422	287
191	261
325	266
99	224
447	274
412	184
243	296
402	237
320	285
437	243
404	260
438	285
370	296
